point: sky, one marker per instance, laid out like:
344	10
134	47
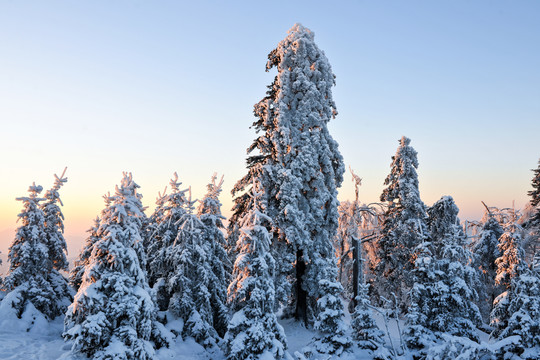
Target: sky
155	87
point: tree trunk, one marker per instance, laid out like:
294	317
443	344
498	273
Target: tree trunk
301	295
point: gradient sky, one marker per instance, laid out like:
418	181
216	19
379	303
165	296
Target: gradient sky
154	87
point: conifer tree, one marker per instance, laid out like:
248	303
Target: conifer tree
443	295
365	330
518	313
404	227
486	251
35	255
161	234
56	243
76	274
517	310
113	313
534	221
417	333
511	258
54	225
299	167
253	331
209	213
531	241
188	276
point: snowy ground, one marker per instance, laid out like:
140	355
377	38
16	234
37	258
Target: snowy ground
43	340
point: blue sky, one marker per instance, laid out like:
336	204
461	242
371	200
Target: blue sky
163	86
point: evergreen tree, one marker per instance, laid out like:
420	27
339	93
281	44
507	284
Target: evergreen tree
534	221
76	274
187	279
253	331
209	213
443	295
418	334
510	266
299	168
32	273
511	254
365	330
519	313
486	251
161	235
404	227
56	243
54	225
113	313
531	242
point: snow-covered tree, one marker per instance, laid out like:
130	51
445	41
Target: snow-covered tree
486	251
365	330
253	331
54	224
456	288
188	276
329	309
160	235
32	273
531	223
444	292
534	220
510	266
112	314
299	168
54	230
418	334
76	274
209	213
518	313
511	257
404	226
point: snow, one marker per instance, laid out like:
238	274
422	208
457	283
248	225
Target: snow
43	341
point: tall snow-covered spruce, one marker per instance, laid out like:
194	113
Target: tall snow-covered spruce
112	314
300	168
253	331
37	254
404	227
